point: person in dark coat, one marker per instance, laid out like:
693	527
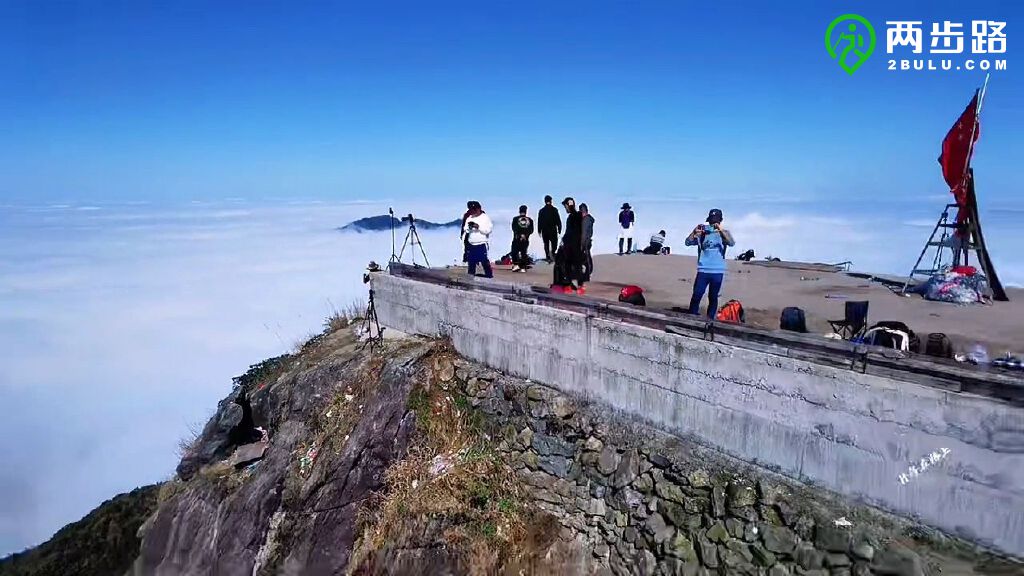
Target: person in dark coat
569	264
588	242
627	220
549	224
522	229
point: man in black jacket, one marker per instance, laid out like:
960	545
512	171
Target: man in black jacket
569	265
588	241
549	224
522	229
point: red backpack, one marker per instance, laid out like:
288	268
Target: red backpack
731	312
632	295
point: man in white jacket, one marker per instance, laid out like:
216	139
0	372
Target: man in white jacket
478	233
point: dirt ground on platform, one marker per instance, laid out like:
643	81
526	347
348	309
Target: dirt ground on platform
764	291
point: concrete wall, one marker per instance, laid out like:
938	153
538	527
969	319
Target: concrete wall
852	433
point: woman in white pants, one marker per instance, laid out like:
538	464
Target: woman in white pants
627	219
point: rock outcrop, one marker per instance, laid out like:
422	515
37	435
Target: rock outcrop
407	459
336	418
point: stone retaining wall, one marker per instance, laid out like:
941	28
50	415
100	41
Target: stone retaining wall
852	433
631	500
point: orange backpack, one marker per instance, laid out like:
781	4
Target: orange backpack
731	312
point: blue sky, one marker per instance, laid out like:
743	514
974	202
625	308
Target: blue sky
174	111
114	101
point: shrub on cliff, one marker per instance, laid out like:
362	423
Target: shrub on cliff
104	542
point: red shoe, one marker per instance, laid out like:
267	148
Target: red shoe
581	290
557	289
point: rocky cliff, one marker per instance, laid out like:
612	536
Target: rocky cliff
407	459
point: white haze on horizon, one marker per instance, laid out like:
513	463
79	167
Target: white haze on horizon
122	326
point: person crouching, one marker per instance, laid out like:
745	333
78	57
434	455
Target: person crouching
657	244
478	234
522	229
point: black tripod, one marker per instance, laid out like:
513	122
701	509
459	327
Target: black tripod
372	324
394	258
412	237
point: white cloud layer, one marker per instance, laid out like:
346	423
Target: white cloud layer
122	326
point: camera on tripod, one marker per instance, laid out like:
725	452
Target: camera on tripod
371	267
371	324
412	238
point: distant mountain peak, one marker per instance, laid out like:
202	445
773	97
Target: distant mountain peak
383	222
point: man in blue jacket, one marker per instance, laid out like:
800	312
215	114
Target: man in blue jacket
711	241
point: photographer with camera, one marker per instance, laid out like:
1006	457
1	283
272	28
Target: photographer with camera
477	234
471	207
711	241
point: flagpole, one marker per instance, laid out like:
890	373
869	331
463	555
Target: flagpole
984	88
974	127
967	171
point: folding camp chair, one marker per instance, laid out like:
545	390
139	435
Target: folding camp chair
854	322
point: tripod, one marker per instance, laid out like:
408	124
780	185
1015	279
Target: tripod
394	258
413	237
371	323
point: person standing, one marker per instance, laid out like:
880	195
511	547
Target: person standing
711	241
549	224
522	229
588	242
471	207
570	254
478	233
627	218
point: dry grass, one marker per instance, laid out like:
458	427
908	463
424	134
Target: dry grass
305	343
450	472
188	443
344	316
170	489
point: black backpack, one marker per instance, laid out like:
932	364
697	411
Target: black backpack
939	346
793	319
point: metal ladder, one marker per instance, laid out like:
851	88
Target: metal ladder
942	229
974	242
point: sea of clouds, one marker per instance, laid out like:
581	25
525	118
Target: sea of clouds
121	326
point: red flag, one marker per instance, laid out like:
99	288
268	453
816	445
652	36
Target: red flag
957	148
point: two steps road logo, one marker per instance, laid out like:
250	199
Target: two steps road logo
850	40
852	29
